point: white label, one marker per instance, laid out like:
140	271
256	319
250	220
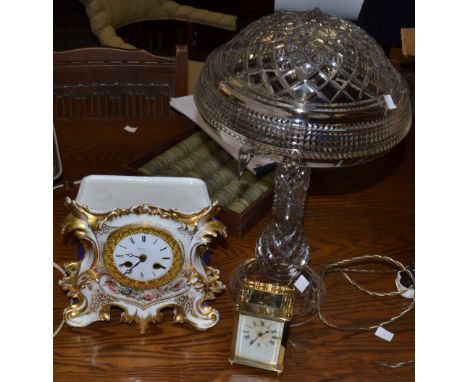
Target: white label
389	101
384	334
301	283
130	129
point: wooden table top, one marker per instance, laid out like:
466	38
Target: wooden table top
349	212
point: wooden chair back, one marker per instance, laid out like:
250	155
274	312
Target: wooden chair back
103	82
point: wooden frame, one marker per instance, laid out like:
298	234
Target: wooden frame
104	82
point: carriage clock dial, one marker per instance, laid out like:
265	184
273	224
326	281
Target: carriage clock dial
142	256
260	338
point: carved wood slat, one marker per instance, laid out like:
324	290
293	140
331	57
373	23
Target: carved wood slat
113	83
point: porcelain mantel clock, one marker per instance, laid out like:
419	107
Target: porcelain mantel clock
142	259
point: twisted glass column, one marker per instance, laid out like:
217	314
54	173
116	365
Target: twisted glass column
283	246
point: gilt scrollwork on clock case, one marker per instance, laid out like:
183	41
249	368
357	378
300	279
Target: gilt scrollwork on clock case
142	259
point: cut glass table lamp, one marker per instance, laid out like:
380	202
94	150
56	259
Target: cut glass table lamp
304	89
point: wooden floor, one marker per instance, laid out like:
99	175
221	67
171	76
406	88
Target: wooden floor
349	212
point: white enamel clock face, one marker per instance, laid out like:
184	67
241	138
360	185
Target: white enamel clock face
259	339
142	256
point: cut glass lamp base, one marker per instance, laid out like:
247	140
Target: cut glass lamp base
307	301
282	251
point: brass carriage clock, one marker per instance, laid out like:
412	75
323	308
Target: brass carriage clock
260	331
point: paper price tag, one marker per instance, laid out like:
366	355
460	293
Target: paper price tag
301	284
384	334
130	129
389	101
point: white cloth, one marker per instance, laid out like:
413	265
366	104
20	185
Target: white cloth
186	106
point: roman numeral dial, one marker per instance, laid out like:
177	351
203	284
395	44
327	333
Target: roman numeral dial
142	256
259	338
260	334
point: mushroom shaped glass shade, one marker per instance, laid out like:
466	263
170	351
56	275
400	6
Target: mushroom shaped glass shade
307	86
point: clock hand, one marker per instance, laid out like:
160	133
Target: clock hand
129	271
158	266
251	342
131	255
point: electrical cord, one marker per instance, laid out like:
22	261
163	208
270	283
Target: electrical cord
339	266
62	271
65	184
396	365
